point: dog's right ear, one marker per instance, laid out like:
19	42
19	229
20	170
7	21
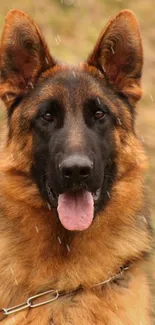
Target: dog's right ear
23	56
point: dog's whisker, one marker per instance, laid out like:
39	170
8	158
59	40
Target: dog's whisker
109	176
46	174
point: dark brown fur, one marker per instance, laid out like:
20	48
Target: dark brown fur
32	259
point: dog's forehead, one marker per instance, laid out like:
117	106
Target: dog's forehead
74	87
72	82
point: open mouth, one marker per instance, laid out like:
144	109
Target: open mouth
75	209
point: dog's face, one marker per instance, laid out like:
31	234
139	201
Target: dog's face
73	139
69	122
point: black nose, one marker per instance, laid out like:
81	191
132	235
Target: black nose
76	168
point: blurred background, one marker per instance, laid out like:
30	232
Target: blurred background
71	28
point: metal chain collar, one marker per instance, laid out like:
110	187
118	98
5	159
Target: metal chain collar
54	295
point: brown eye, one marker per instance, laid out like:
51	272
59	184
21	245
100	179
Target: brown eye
99	115
48	117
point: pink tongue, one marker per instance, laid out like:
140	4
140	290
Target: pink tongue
76	210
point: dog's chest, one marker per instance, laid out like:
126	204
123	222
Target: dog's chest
84	309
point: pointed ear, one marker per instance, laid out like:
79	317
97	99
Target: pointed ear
119	55
23	56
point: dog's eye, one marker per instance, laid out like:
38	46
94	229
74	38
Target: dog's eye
98	115
48	117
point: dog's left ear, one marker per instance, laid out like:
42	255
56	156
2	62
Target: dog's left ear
119	55
23	56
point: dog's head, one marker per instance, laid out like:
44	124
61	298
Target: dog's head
71	129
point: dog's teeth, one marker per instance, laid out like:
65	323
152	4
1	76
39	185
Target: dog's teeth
108	194
49	207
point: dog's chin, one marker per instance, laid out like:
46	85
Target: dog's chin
75	207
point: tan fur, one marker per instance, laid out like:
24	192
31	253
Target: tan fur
31	257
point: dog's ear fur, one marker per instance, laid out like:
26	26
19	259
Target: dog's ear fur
119	55
23	56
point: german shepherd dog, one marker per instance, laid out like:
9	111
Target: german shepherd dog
74	225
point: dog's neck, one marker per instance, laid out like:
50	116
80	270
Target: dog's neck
41	253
